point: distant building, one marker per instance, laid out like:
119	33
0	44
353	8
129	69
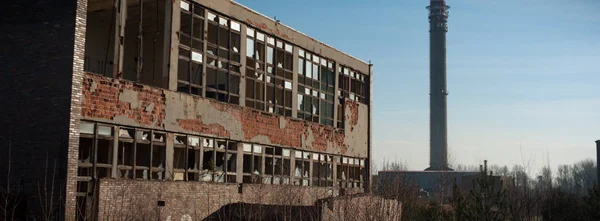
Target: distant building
430	184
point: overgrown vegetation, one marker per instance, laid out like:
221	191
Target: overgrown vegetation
498	193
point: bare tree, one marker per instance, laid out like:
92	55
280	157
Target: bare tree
10	195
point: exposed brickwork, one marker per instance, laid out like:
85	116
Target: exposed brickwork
255	123
102	100
326	135
196	125
75	111
352	108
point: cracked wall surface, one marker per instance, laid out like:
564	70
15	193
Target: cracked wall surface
127	103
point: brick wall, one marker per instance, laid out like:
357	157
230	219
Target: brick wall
198	200
360	207
37	48
126	103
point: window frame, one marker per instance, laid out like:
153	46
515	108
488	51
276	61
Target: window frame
191	48
258	80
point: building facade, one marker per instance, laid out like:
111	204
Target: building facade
184	105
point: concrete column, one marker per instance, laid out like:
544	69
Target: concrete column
243	68
115	156
204	48
240	163
292	166
336	67
310	170
334	163
166	58
295	83
174	46
120	21
169	141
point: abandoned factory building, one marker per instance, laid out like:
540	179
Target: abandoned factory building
110	107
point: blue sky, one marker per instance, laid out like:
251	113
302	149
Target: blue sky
523	75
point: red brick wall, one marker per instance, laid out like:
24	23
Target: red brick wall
101	100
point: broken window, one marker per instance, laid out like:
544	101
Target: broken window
220	160
179	160
316	170
193	158
352	85
252	163
279	77
274	166
322	170
315	94
104	151
302	168
247	163
361	173
269	166
286	166
255	70
142	154
159	154
327	91
223	59
356	173
85	163
191	50
208	159
126	152
342	172
231	162
349	172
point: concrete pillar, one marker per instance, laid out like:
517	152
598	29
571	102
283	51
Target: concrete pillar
166	58
336	67
120	21
295	83
240	163
292	166
174	47
243	68
170	139
205	45
115	156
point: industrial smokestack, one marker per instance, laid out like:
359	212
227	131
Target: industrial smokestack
598	163
438	152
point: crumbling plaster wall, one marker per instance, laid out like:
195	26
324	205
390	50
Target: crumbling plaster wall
127	103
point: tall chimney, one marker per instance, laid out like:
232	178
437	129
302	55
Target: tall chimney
438	152
598	163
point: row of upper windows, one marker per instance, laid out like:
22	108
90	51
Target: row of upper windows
268	69
141	154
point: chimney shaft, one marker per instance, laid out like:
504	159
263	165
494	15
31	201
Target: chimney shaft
438	152
598	163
